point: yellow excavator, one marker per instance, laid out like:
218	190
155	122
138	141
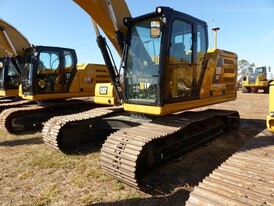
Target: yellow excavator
47	75
52	73
165	70
12	44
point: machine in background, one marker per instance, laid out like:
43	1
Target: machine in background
49	76
260	78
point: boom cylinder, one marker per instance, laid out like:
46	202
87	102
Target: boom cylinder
111	70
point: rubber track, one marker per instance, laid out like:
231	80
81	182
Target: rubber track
246	178
120	151
10	112
53	126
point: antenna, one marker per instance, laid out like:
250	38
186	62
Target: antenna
215	29
210	23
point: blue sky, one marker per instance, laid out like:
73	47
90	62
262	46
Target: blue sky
247	26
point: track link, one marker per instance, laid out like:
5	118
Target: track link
8	114
52	129
246	178
31	116
130	153
120	152
14	103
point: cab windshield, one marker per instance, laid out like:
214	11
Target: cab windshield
259	70
27	72
142	64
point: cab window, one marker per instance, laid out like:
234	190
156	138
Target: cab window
48	62
181	42
201	49
179	70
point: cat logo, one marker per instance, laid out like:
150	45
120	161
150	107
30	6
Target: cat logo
103	90
218	72
88	79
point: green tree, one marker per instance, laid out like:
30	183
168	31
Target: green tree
244	67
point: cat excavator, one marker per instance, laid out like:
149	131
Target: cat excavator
165	71
45	75
12	43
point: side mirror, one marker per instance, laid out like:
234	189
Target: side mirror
155	29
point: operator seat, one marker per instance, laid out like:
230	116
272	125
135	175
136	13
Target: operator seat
178	51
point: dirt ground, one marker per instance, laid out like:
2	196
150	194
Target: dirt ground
35	174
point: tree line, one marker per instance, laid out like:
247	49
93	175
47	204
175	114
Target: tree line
244	68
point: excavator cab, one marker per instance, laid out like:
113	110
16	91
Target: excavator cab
166	65
48	70
164	59
9	77
175	70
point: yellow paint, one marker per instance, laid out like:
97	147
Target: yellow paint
99	12
104	94
270	117
10	92
83	84
176	107
11	41
40	97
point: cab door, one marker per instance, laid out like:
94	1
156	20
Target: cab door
55	70
187	47
9	74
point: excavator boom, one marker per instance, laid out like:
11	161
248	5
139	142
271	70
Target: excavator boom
12	45
108	14
12	42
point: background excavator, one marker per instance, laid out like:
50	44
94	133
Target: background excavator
12	43
260	78
47	75
165	70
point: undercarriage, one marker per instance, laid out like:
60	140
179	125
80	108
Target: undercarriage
134	145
